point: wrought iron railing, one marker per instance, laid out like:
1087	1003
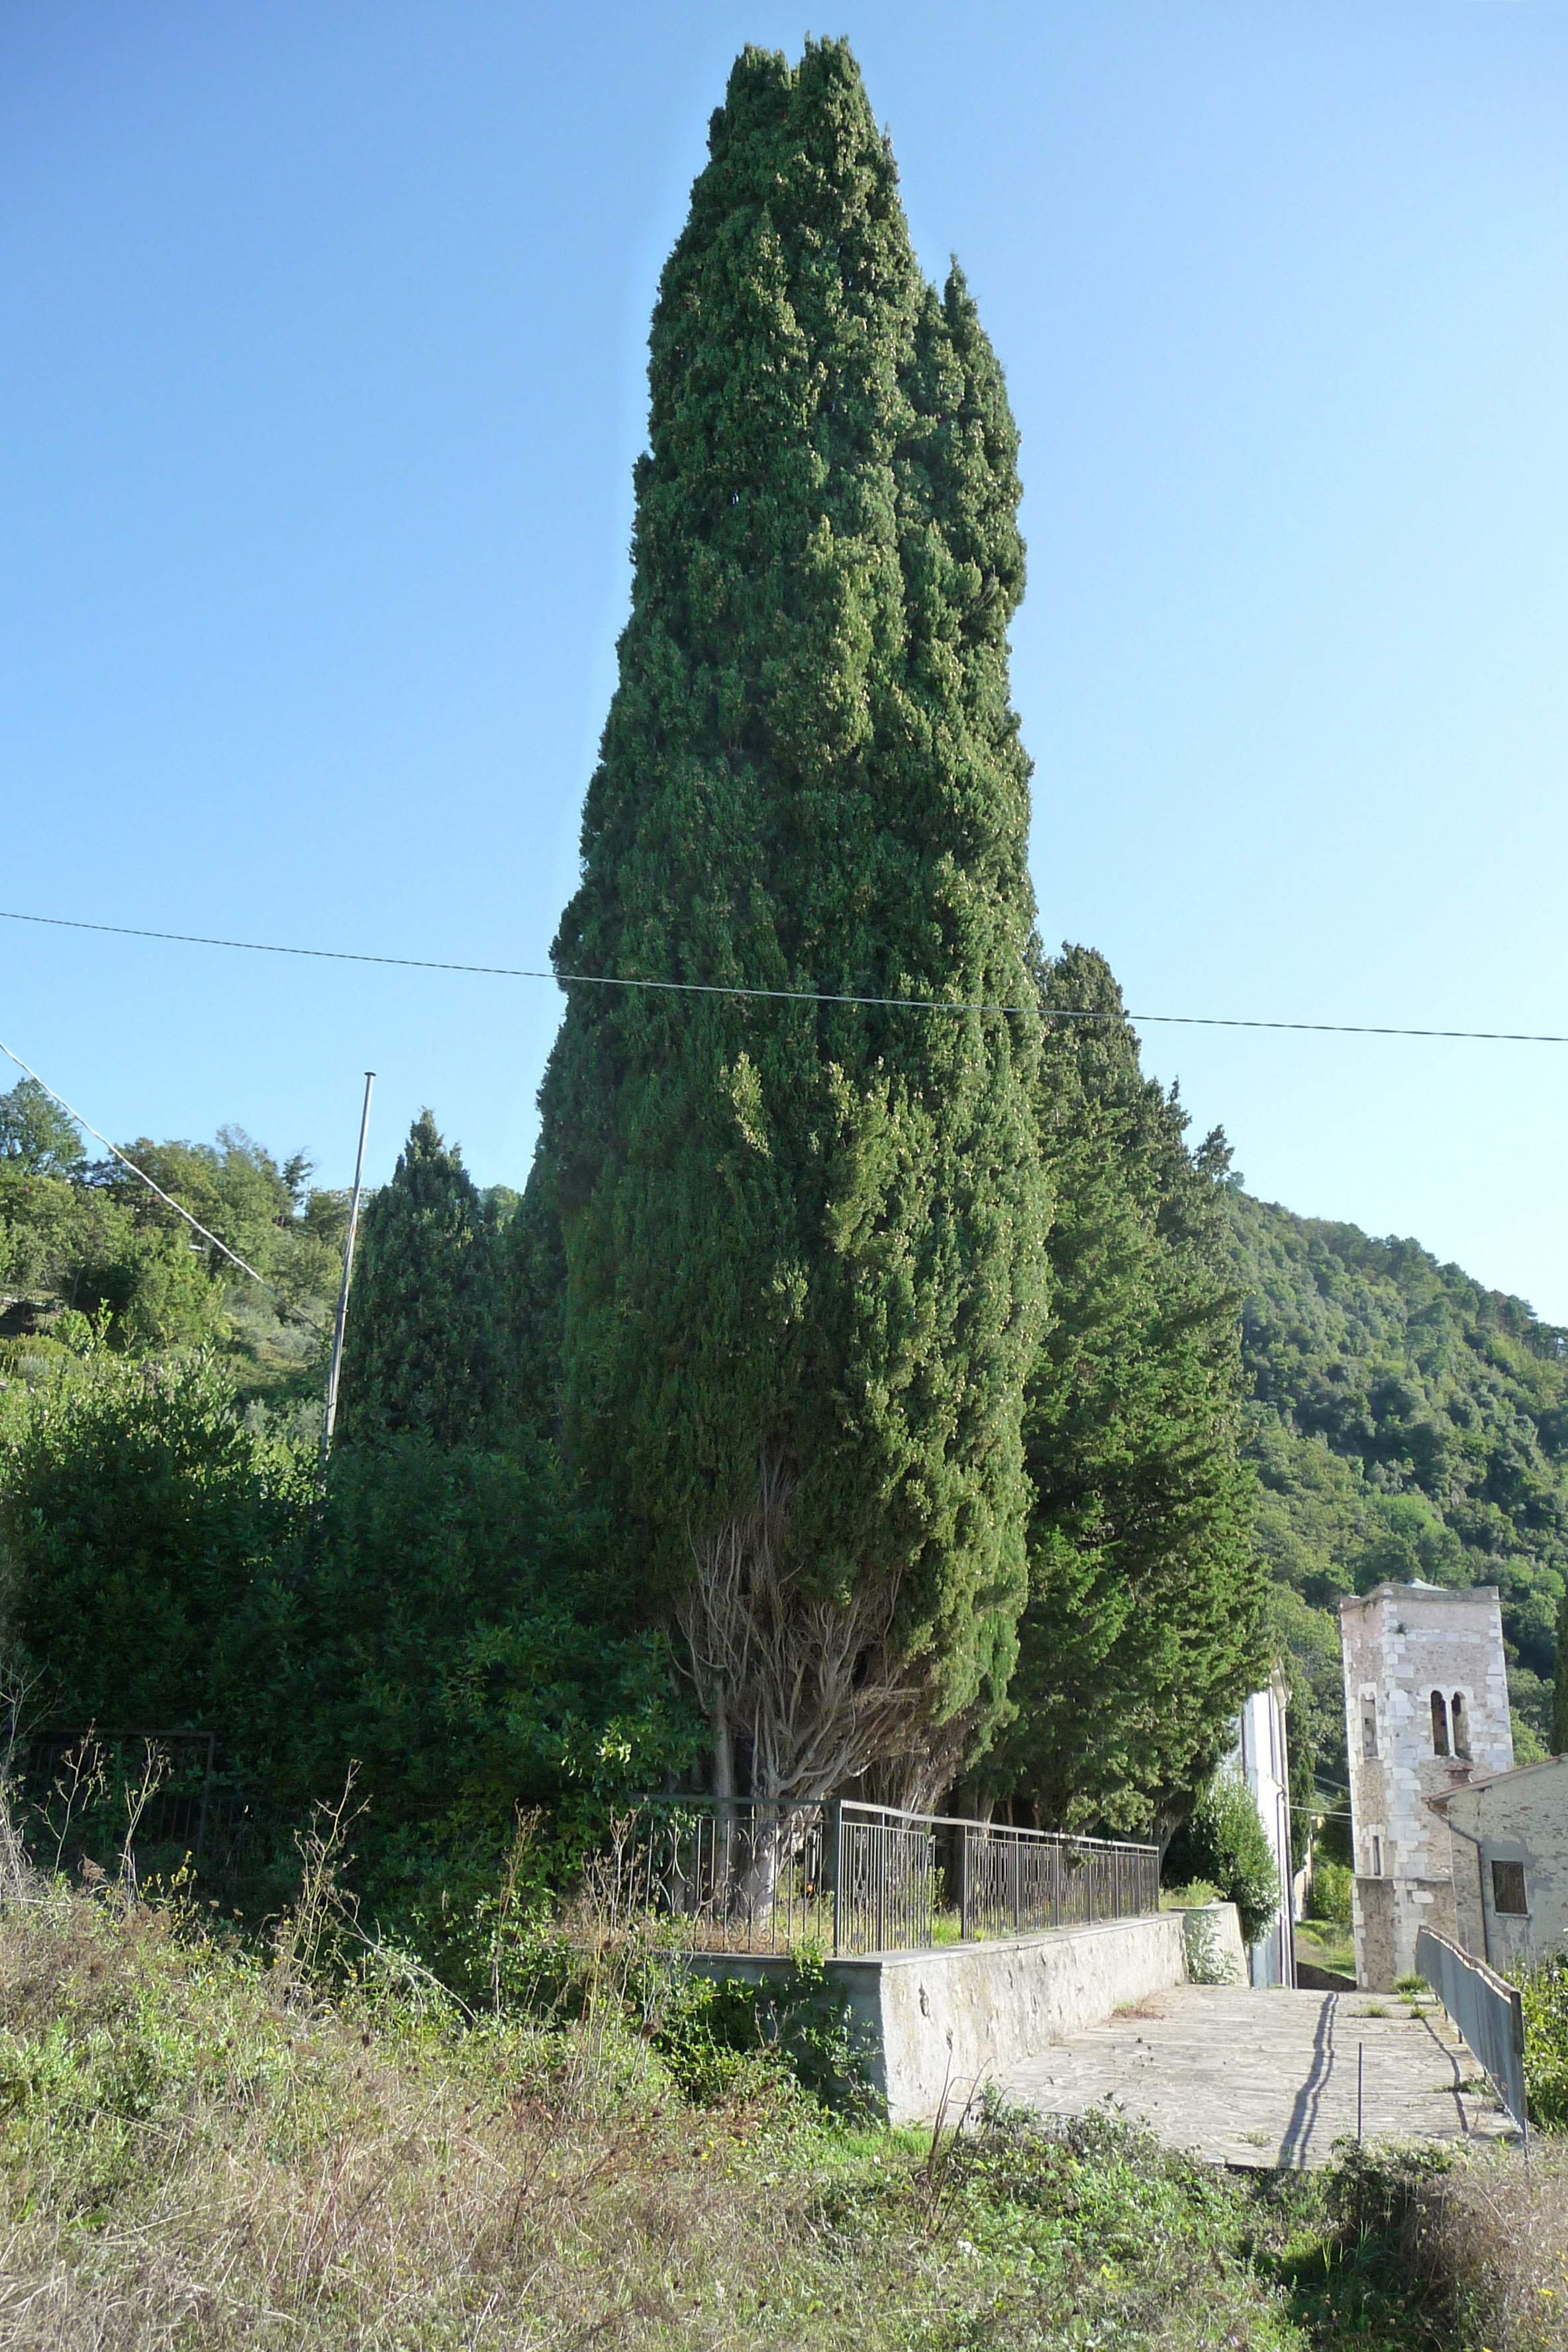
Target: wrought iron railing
159	1796
853	1877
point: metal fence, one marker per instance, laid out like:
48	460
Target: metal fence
852	1877
1486	2010
91	1795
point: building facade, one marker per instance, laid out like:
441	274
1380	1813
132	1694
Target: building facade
1508	1836
1262	1756
1426	1711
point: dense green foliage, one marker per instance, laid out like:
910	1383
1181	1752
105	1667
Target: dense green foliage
1223	1843
1332	1895
438	1619
1144	1623
1543	1992
451	1614
421	1353
95	1241
138	1515
1407	1422
802	1243
450	1625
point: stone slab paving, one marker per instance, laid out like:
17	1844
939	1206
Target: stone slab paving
1268	2079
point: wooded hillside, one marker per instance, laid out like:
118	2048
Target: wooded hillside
1405	1422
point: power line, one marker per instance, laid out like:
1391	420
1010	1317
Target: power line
795	995
164	1196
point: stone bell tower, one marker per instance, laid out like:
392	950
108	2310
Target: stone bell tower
1425	1705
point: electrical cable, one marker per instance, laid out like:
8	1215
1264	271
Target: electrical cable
164	1196
795	995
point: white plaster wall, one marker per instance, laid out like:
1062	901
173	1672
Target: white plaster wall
1261	1754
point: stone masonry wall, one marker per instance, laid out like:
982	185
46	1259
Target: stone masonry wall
1402	1644
1521	1818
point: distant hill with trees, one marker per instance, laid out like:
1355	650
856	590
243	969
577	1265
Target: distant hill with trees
1403	1422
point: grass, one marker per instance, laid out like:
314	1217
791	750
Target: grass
204	2147
1325	1944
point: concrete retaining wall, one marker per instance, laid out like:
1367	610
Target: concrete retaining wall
1216	1953
941	2022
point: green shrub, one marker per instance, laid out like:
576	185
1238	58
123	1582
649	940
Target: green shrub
450	1627
1332	1888
721	2030
1543	1989
1224	1842
141	1520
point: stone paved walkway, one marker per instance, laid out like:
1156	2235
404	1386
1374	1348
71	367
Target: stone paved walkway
1266	2079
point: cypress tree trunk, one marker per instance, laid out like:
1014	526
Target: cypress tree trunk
802	1243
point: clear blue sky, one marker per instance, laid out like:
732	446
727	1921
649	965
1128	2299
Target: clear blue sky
323	379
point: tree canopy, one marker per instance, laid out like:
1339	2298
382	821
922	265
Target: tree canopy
421	1349
1144	1623
801	1242
1406	1422
36	1137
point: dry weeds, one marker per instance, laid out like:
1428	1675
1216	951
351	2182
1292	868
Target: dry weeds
1494	2234
189	2160
199	2151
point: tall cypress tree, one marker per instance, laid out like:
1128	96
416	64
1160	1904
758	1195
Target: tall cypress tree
801	1242
1145	1624
420	1351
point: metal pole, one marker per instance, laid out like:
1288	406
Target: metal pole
348	1271
206	1794
1359	2058
836	1818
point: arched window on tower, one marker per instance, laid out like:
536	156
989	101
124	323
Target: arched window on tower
1462	1727
1439	1725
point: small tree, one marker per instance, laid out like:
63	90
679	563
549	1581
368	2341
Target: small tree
36	1137
139	1519
420	1352
1224	1842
